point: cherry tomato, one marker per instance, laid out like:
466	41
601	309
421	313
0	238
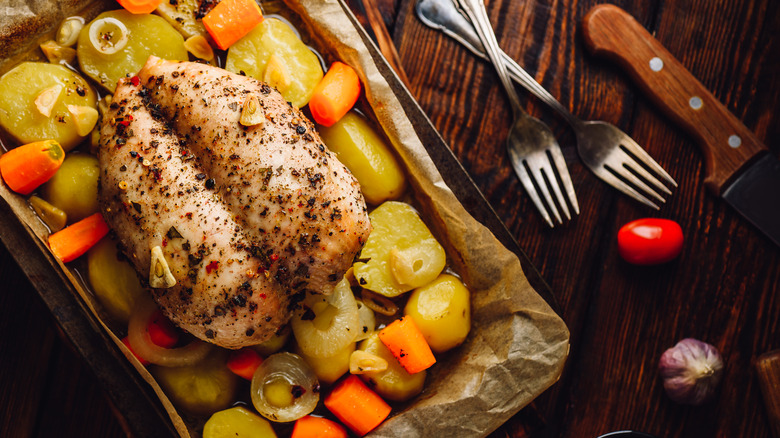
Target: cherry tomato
650	241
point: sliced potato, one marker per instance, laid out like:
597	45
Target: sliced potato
394	383
442	312
202	388
367	156
113	280
23	112
400	253
296	68
105	56
73	188
237	422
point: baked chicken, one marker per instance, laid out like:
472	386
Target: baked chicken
223	195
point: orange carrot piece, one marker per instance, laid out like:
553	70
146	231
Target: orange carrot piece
317	427
408	345
336	94
26	167
71	242
244	362
360	408
162	331
230	20
140	6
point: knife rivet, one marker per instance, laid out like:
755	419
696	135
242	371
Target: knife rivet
656	64
695	102
735	141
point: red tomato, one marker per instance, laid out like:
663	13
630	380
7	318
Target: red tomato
650	241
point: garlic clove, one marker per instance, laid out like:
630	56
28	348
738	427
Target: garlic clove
57	54
160	276
85	118
691	371
276	74
361	362
199	47
252	114
47	99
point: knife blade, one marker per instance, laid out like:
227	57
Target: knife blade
739	168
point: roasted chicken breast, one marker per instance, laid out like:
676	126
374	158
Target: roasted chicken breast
248	218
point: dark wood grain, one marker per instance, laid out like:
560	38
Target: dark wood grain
768	366
723	289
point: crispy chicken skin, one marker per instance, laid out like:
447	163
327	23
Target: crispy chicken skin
248	218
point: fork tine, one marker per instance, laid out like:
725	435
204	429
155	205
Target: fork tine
563	171
528	185
547	171
640	153
617	183
536	174
649	177
624	172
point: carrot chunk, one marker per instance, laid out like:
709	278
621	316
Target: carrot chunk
336	94
317	427
140	6
230	20
407	343
71	242
244	362
26	167
360	408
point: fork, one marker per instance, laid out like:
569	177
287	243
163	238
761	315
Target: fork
533	151
608	152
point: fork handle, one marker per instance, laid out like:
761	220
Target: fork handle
725	142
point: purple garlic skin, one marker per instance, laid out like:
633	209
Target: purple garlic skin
691	371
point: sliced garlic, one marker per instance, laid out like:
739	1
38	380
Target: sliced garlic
361	362
85	118
199	47
252	113
160	276
52	216
276	74
47	99
57	54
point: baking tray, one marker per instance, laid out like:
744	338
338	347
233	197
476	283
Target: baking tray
131	395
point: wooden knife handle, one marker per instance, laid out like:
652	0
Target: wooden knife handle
726	143
768	367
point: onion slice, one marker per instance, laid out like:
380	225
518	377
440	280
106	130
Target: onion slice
141	341
284	388
326	325
108	35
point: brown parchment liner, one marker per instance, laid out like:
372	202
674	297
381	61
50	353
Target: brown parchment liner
517	345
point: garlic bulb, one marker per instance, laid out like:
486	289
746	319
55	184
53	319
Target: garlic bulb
691	370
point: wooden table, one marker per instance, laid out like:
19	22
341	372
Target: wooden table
723	289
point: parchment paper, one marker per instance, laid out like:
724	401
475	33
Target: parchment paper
517	346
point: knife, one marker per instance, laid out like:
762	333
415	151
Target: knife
739	168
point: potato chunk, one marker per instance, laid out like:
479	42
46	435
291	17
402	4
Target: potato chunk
237	422
400	253
367	156
73	189
295	67
114	280
145	35
202	388
21	112
394	383
442	312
